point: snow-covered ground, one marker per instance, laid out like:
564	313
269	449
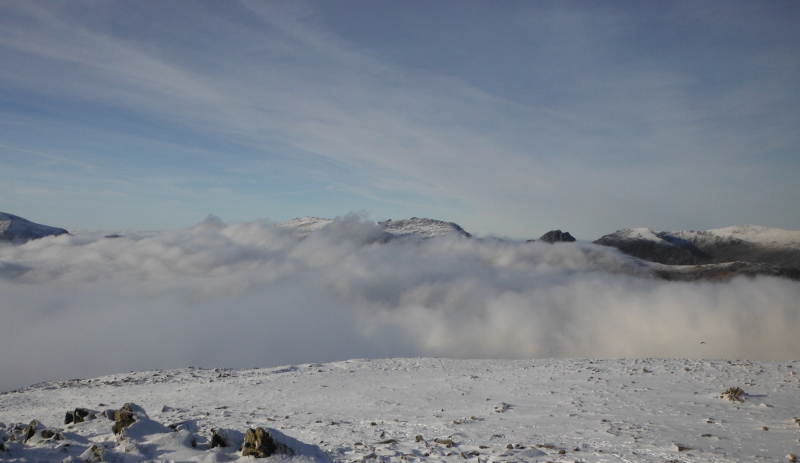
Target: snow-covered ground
395	410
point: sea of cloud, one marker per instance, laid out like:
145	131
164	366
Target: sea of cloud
255	294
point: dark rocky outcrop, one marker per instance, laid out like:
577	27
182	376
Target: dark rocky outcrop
217	440
79	415
557	236
123	418
30	430
258	443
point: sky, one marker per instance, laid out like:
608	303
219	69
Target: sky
509	118
250	294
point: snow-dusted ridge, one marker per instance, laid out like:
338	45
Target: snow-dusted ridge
424	409
15	229
745	243
423	227
305	225
750	234
413	227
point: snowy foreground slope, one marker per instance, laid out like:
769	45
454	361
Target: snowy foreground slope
425	409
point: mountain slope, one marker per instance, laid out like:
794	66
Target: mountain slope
15	229
396	410
425	228
407	228
748	243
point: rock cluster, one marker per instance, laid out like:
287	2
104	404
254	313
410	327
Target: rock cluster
137	440
734	394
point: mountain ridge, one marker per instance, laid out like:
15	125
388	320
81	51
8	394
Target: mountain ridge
686	255
16	229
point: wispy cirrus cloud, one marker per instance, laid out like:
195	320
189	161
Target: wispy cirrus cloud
505	119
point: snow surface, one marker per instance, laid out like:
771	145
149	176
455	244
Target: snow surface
638	234
373	410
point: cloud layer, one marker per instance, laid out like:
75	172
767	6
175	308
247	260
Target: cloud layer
252	294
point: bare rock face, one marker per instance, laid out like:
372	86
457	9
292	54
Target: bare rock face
123	418
557	236
258	443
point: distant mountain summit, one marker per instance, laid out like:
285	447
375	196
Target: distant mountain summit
15	229
661	247
557	236
414	227
426	228
722	252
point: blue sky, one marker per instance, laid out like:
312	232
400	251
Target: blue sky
510	118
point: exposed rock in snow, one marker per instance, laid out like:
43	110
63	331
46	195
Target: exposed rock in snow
557	236
18	230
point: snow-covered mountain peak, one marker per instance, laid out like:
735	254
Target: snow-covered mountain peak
18	230
423	227
638	234
415	226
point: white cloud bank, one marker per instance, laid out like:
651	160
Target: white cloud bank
251	294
